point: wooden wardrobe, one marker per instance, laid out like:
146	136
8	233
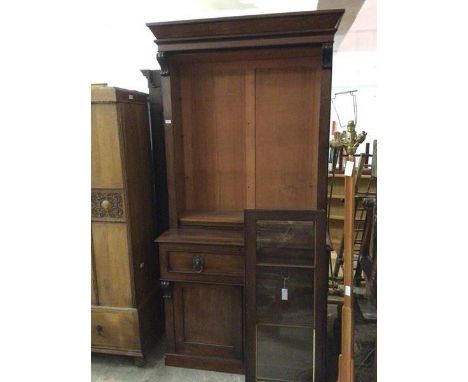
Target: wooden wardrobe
125	297
246	104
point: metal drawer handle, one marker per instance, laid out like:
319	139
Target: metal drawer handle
197	264
99	329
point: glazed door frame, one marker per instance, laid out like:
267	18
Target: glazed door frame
319	288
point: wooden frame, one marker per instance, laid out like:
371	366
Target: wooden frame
320	283
246	105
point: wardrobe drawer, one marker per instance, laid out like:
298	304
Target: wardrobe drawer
114	328
197	264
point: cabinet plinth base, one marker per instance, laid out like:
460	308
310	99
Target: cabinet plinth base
205	363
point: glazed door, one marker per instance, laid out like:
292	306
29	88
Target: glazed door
208	319
285	295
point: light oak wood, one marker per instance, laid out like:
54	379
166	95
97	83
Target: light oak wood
106	162
112	264
346	359
94	287
126	313
115	328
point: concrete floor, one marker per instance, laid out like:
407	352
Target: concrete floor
109	368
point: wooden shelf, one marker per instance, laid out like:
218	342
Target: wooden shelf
212	218
363	176
202	236
338	217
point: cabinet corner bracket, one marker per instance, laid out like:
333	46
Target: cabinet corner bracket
327	55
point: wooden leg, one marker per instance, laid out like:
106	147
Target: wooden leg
139	361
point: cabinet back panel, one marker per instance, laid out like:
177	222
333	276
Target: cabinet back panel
213	115
106	167
250	131
110	249
286	136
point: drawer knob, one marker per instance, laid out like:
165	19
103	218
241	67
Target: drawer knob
197	264
105	204
99	329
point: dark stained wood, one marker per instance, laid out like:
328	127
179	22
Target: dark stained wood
323	138
208	320
220	264
212	218
170	149
246	109
168	295
160	199
139	180
245	31
225	365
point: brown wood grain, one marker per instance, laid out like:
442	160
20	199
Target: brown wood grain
106	166
138	178
213	130
179	261
317	276
212	218
124	263
286	113
250	137
208	319
203	236
119	328
246	128
112	264
94	287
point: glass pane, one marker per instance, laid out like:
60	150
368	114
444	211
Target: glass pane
286	242
285	353
272	308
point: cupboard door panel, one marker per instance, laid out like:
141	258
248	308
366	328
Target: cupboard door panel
208	319
286	137
106	166
110	250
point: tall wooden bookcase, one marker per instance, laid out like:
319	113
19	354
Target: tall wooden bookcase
125	298
246	103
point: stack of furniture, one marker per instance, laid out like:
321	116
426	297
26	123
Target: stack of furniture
125	303
246	103
366	185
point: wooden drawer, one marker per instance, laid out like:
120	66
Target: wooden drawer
114	329
202	263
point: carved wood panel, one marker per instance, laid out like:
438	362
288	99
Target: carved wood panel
107	205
